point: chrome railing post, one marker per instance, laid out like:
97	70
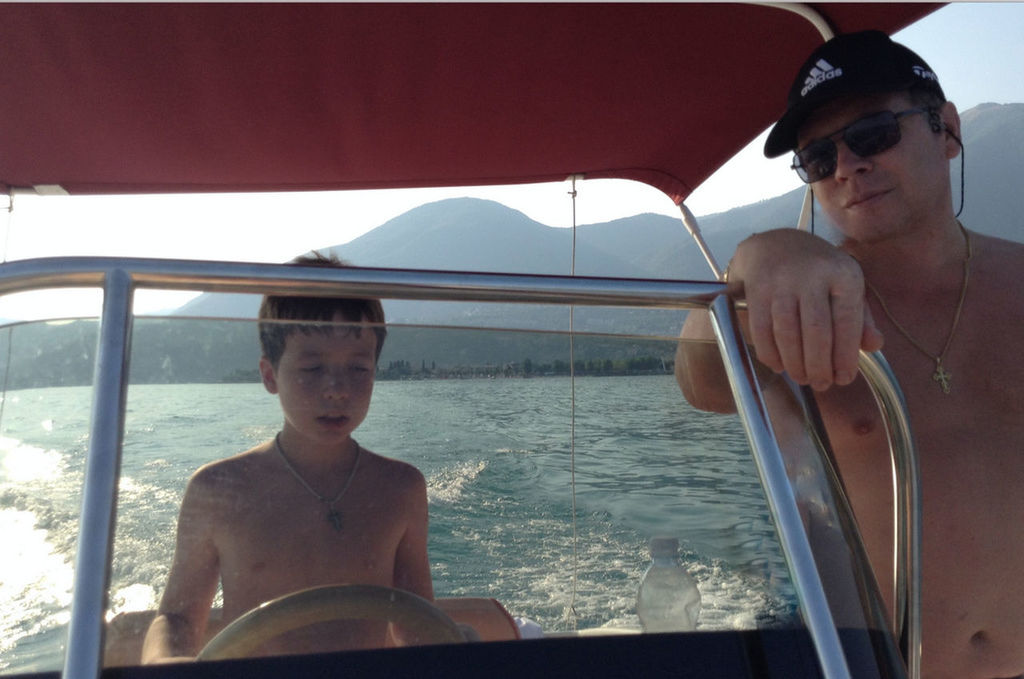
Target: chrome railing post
84	656
753	413
907	492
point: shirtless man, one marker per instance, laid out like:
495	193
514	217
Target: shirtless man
946	301
310	507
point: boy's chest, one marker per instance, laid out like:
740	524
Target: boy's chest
276	547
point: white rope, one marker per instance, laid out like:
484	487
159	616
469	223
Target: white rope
9	222
10	328
572	423
7	373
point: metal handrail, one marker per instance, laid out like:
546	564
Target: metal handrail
256	278
120	277
907	518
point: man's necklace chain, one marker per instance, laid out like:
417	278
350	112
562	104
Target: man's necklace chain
942	376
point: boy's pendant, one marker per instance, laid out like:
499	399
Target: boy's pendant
942	376
334	516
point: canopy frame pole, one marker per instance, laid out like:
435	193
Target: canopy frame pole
690	222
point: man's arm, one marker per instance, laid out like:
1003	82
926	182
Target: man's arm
180	625
806	315
699	369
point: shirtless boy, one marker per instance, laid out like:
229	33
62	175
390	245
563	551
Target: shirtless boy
946	302
310	507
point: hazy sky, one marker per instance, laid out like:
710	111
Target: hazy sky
976	48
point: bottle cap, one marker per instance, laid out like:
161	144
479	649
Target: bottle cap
664	546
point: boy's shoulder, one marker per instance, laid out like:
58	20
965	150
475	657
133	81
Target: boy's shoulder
396	470
234	469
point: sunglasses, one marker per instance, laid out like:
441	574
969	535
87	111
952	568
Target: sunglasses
865	137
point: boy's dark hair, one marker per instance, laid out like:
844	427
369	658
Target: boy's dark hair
322	309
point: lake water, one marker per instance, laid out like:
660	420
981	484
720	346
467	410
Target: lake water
497	455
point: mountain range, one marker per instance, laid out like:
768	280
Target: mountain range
478	235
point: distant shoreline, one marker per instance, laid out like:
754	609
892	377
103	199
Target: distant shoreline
402	371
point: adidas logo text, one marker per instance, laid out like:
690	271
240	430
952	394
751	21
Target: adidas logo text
819	73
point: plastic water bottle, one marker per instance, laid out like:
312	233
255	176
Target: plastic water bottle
668	599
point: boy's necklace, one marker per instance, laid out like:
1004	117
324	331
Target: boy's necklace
333	515
941	375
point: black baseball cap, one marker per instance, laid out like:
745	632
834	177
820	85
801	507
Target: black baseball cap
868	62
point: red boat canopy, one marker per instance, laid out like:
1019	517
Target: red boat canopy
227	97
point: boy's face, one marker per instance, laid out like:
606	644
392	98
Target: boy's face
324	381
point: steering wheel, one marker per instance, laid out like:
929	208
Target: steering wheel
418	617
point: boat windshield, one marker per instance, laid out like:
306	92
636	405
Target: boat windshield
551	460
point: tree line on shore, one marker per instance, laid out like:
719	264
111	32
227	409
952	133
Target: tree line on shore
429	370
210	351
641	365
